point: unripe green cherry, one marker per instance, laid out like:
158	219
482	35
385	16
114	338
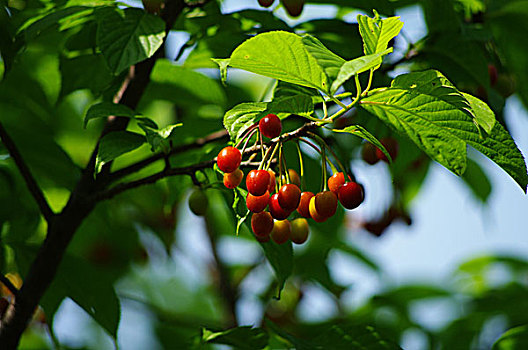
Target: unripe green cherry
198	202
299	230
281	231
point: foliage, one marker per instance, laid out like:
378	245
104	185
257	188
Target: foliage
90	94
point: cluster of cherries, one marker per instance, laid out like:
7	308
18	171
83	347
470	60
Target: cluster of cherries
273	223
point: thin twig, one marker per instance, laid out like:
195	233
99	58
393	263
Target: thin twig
31	183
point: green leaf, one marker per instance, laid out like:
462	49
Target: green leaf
280	55
239	207
222	63
159	140
128	36
484	116
280	257
377	32
36	25
513	339
117	143
477	180
239	118
358	130
329	61
84	72
357	66
91	289
106	109
283	89
244	337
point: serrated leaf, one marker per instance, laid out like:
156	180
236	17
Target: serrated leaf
376	32
484	116
106	109
358	130
280	55
244	337
280	257
128	36
239	118
357	66
329	61
434	115
283	89
117	143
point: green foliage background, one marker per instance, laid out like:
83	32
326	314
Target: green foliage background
63	61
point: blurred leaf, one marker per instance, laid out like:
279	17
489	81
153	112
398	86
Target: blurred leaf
245	337
106	109
477	180
91	289
358	130
280	55
280	257
84	72
513	339
128	36
114	144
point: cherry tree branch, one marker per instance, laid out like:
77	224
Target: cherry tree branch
31	183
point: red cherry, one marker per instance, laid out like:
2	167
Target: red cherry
257	203
368	153
270	126
272	181
304	204
257	182
289	196
281	231
261	224
229	159
263	239
314	214
335	181
391	145
351	195
299	230
294	177
232	180
326	203
276	210
265	3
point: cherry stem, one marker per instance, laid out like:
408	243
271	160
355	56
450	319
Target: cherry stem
286	172
249	136
275	148
325	145
301	164
247	133
324	160
280	164
259	136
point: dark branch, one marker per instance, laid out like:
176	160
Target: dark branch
6	282
31	183
191	169
118	174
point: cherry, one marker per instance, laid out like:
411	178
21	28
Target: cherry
270	126
198	202
276	210
272	181
391	145
289	196
351	195
263	239
299	230
304	204
229	159
492	72
281	231
265	3
293	7
294	177
336	181
257	182
505	85
257	203
314	214
368	153
232	180
326	203
261	224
